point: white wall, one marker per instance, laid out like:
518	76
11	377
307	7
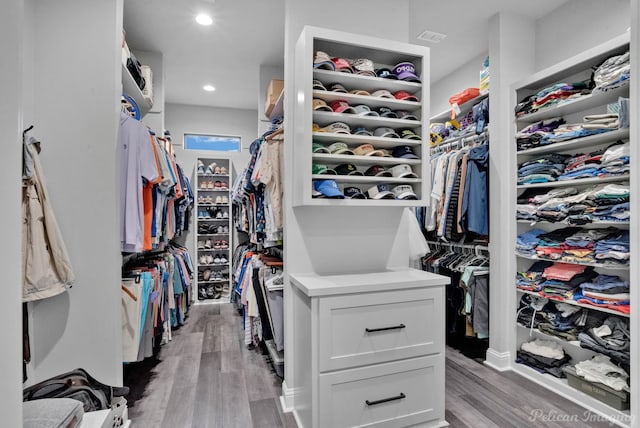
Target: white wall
11	22
465	76
577	26
181	119
76	112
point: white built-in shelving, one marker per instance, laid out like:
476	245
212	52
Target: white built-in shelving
383	54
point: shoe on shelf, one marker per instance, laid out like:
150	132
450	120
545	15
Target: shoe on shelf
200	167
201	200
208	200
220	230
203	260
223	171
206	275
225	215
202	293
224	186
225	200
211	167
201	245
206	214
216	170
200	215
219	215
216	260
217	184
218	200
223	259
226	229
207	244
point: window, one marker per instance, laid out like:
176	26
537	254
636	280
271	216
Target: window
217	143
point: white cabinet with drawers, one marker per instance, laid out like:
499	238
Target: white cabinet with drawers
369	349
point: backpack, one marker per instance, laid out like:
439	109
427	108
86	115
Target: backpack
78	385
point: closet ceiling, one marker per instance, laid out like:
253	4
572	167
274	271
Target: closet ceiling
466	25
248	33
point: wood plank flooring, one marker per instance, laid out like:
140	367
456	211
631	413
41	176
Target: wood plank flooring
207	378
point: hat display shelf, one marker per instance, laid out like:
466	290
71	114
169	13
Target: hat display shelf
383	121
213	220
573	110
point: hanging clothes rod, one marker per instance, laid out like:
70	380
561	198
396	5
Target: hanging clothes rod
456	245
461	141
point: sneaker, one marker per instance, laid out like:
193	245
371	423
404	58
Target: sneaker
200	215
200	245
219	215
223	171
201	200
225	200
211	167
206	275
200	167
209	259
224	245
218	184
203	260
216	260
207	244
226	229
218	200
223	259
207	214
217	170
225	215
208	200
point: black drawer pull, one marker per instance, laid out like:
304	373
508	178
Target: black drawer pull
386	400
395	327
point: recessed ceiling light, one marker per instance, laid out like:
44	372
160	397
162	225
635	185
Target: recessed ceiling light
209	88
431	36
204	19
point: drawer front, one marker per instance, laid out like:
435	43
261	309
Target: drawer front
362	329
398	394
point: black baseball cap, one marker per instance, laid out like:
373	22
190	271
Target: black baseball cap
354	193
378	171
386	74
347	169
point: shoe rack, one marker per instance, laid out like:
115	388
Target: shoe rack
213	237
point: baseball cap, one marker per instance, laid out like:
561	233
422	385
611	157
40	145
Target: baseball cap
408	134
380	191
347	169
354	193
342	65
406	115
385	132
386	74
435	139
405	152
403	171
319	148
378	171
387	112
319	104
323	60
340	148
363	149
406	71
363	66
404	191
362	131
364	110
360	92
341	106
328	188
317	168
338	128
336	87
314	192
382	93
318	85
405	96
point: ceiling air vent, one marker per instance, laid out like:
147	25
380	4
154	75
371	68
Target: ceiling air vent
431	36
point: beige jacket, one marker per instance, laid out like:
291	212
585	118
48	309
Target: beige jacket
46	265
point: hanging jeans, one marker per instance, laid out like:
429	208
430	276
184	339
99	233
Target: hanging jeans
475	202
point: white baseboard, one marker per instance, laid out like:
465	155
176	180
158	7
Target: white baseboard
500	361
286	399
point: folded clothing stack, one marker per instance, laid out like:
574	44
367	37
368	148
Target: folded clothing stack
609	291
612	339
600	369
575	245
543	356
558	319
560	167
575	283
601	203
612	73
